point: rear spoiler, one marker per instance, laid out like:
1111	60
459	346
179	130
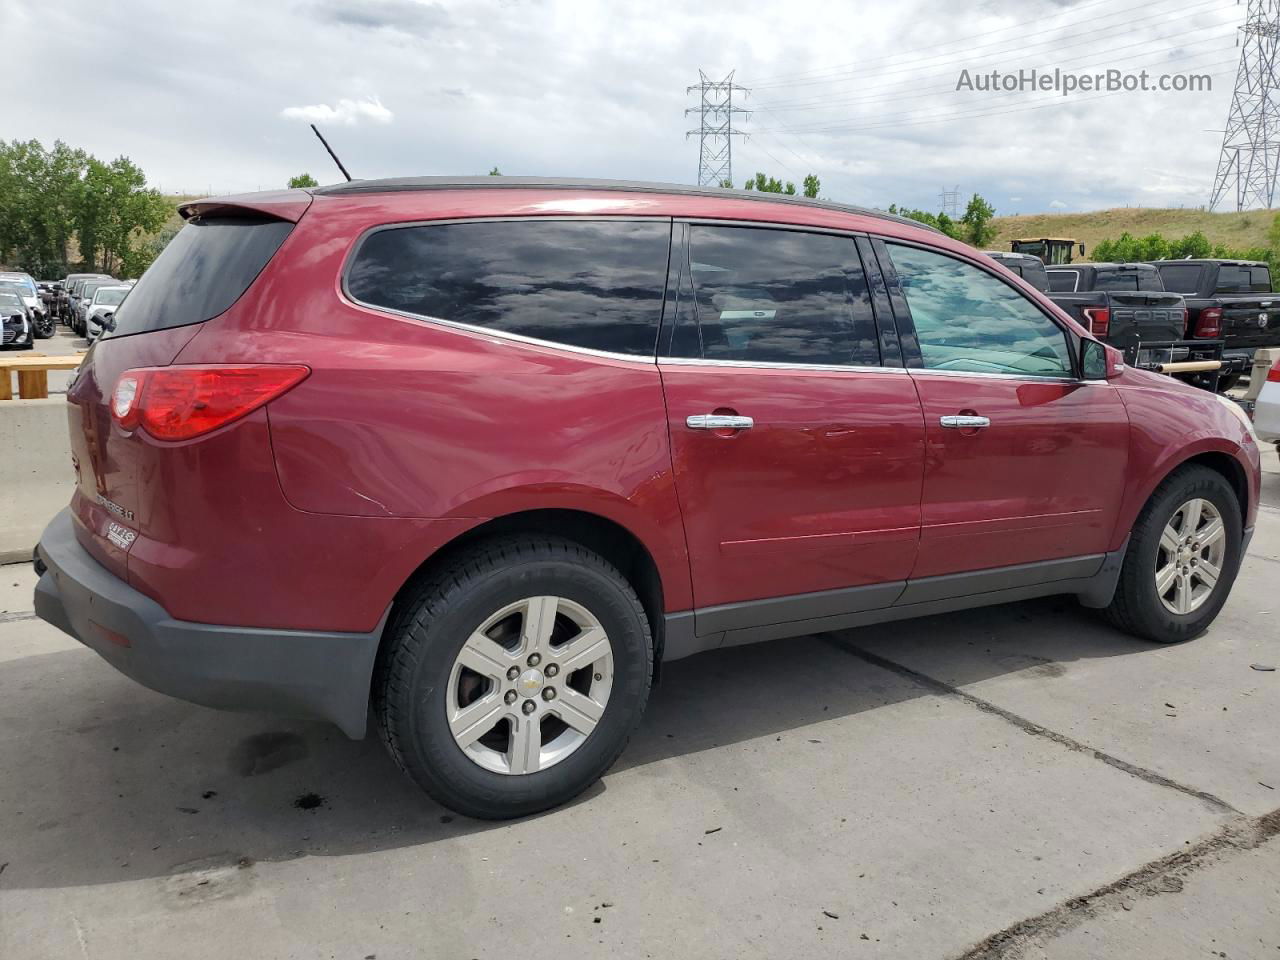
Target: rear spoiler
281	204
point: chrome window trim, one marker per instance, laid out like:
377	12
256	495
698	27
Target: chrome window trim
345	294
773	365
969	374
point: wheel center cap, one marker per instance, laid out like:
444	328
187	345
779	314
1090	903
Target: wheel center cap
529	682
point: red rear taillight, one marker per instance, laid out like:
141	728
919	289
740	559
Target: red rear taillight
1209	324
1098	320
178	403
1273	375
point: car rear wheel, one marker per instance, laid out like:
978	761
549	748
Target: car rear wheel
511	681
1182	559
44	327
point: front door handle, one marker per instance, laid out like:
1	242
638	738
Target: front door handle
716	421
965	422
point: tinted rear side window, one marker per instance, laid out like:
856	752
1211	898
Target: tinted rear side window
201	273
777	296
1115	280
1035	274
584	283
1180	277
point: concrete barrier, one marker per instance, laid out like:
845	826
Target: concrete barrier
36	476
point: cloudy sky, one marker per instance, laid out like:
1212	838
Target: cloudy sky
217	95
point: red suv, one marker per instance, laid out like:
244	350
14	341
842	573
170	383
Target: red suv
475	456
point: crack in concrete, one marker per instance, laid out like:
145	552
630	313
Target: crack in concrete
7	617
1034	729
1165	875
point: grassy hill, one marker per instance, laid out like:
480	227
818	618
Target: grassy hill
1248	229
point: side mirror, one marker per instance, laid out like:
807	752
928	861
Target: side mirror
108	321
1099	361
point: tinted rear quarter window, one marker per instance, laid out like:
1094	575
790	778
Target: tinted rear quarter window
1116	280
596	284
201	273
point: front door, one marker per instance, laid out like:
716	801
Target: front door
1024	461
798	457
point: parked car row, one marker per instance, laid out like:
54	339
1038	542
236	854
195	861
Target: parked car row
28	320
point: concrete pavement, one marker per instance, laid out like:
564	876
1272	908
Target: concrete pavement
1015	782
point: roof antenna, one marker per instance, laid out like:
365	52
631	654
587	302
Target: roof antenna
331	153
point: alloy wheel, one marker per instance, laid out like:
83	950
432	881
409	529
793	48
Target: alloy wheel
529	685
1189	560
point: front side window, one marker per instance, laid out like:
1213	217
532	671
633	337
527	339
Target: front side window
776	296
967	320
596	284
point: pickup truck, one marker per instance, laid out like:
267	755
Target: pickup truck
1228	300
1124	304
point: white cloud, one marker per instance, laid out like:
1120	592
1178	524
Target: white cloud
1015	199
345	113
1057	205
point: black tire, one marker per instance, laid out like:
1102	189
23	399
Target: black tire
422	641
44	327
1137	608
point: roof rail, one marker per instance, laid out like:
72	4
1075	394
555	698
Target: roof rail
412	184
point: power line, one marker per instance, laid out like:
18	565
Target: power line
1107	59
1018	47
1052	99
1019	44
715	131
1250	154
819	104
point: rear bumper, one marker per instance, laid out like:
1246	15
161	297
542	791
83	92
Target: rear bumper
318	675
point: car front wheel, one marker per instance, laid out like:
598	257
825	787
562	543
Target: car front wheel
512	680
1183	556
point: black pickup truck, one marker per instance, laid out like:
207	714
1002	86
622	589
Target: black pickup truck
1124	304
1228	300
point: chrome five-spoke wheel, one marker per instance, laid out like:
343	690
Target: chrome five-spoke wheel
529	685
1189	561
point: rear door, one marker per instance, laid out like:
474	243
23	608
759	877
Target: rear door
1024	461
797	454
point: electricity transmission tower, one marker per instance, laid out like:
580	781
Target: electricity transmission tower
951	201
715	131
1251	142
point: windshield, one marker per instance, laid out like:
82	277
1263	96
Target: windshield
10	301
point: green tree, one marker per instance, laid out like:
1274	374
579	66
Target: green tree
303	180
811	186
726	184
495	172
978	229
767	184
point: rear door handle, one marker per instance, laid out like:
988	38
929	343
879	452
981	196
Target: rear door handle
716	421
965	423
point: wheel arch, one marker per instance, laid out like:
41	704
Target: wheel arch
1218	456
612	540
